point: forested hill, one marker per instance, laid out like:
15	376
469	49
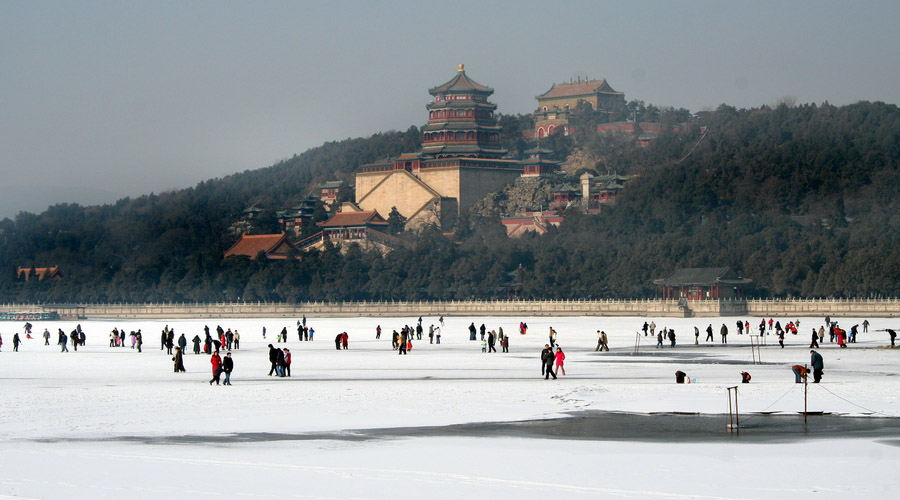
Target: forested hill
803	200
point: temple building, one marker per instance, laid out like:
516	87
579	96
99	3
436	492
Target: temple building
460	161
297	217
536	221
538	164
556	105
351	225
703	283
328	191
273	246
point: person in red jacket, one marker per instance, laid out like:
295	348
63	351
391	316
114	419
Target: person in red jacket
560	361
287	362
344	340
216	362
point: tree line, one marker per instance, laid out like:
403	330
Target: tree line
801	199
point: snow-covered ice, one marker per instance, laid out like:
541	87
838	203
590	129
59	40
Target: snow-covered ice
110	422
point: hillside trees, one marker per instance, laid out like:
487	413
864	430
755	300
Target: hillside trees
801	199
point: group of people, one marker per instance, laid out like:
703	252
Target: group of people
280	358
549	359
402	341
304	333
220	366
117	338
835	332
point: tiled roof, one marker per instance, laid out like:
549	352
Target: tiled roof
330	185
578	88
355	219
702	276
460	83
251	244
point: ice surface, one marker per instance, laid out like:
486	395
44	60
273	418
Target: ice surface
109	422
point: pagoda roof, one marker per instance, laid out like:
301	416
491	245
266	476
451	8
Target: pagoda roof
567	188
460	125
330	185
606	186
465	104
459	150
611	177
354	219
703	276
251	244
460	83
574	89
538	161
538	150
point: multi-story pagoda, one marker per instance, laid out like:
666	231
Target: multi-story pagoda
461	121
538	164
460	162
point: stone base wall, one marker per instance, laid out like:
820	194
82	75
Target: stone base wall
870	308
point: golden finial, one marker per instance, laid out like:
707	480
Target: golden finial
460	70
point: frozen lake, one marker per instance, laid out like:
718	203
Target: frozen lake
447	421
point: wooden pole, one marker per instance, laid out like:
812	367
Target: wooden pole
805	387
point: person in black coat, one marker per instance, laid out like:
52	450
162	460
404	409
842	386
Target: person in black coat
279	362
404	341
273	358
337	341
472	331
196	341
547	358
817	364
227	368
182	342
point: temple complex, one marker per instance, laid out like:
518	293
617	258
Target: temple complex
459	163
556	105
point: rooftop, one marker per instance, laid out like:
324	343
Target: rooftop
355	219
251	244
460	84
580	88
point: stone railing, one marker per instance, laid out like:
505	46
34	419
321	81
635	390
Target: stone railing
611	307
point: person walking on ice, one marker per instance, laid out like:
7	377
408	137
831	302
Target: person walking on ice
560	361
216	361
547	359
228	367
817	364
601	341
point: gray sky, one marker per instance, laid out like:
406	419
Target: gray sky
100	100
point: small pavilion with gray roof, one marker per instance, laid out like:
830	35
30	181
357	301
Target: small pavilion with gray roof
703	283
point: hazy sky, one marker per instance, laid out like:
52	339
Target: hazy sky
100	100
